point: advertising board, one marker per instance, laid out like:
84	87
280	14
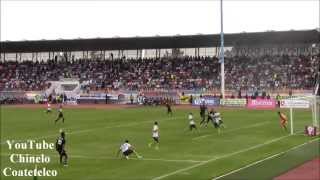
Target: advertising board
210	101
233	102
261	103
294	103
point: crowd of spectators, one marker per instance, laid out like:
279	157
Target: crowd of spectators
241	72
272	72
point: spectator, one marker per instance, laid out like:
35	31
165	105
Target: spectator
269	72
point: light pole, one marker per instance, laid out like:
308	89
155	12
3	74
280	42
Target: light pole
222	50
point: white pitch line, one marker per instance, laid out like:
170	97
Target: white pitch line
143	159
115	158
93	129
220	157
235	129
269	157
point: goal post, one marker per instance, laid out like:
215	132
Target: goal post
310	107
315	108
70	87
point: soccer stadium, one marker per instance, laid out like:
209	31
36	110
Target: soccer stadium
191	107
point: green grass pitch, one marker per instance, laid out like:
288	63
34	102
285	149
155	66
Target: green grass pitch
94	135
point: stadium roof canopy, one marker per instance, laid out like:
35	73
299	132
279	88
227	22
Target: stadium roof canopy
162	42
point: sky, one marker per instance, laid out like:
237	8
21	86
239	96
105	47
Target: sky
35	20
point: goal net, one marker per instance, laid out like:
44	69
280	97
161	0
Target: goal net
315	108
67	86
303	111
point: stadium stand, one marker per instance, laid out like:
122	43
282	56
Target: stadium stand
190	73
264	63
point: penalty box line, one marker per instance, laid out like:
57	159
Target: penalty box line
267	158
235	129
221	157
96	128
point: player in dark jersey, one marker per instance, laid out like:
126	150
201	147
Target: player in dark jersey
60	115
203	109
210	117
169	110
60	147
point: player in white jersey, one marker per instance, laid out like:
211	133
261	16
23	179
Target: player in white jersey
126	149
155	136
217	121
192	123
49	110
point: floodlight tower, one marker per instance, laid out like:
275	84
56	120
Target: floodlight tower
221	60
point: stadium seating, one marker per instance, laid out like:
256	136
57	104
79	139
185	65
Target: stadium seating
242	72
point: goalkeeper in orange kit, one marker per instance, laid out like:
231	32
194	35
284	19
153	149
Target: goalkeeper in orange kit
283	120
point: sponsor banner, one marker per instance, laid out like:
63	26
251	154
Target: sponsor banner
210	101
261	103
233	102
30	96
71	102
100	96
92	97
294	103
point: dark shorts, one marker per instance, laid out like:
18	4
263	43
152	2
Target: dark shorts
61	152
60	115
156	139
127	152
192	126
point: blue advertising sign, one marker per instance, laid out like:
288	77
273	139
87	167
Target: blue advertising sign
209	101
